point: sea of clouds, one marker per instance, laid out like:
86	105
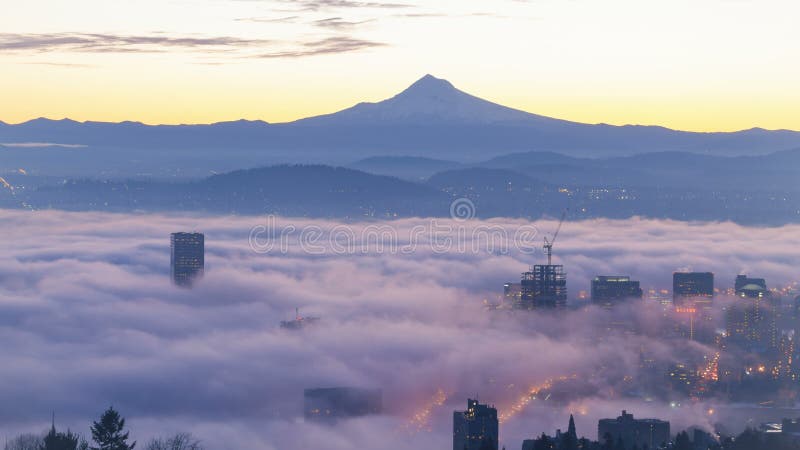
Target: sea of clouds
89	318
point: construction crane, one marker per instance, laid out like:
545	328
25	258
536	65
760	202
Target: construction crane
548	244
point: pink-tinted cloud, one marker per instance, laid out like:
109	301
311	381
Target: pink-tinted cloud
88	317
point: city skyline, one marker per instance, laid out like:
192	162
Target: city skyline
113	267
691	67
400	224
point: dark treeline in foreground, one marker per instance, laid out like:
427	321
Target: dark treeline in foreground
107	433
750	439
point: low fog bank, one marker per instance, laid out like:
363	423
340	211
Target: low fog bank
88	318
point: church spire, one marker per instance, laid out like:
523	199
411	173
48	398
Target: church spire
571	429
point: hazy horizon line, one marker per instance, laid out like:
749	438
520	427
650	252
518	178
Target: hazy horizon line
426	76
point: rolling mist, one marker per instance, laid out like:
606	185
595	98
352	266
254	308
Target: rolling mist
89	318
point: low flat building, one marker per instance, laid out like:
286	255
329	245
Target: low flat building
640	433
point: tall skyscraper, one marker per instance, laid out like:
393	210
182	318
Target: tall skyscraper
608	290
187	257
692	294
544	286
696	285
476	428
751	320
750	287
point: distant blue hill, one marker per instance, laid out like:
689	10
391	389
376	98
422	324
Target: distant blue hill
410	167
776	172
290	190
750	194
430	119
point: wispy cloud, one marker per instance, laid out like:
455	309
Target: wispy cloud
286	19
420	15
88	317
332	45
109	43
39	145
339	23
104	42
423	15
316	5
59	64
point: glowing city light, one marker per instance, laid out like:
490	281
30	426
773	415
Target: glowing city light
531	394
420	420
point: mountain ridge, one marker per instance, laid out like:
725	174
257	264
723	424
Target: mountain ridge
422	85
431	118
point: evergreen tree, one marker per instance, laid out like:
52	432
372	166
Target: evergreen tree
108	433
571	428
26	441
682	441
748	440
569	441
56	440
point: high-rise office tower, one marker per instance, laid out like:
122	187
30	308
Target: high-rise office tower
750	287
476	428
187	257
697	285
751	320
608	290
692	294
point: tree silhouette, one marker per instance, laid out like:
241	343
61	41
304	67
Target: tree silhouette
26	441
56	440
108	433
748	440
180	441
682	441
569	441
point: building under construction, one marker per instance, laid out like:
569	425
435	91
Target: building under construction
544	286
299	321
